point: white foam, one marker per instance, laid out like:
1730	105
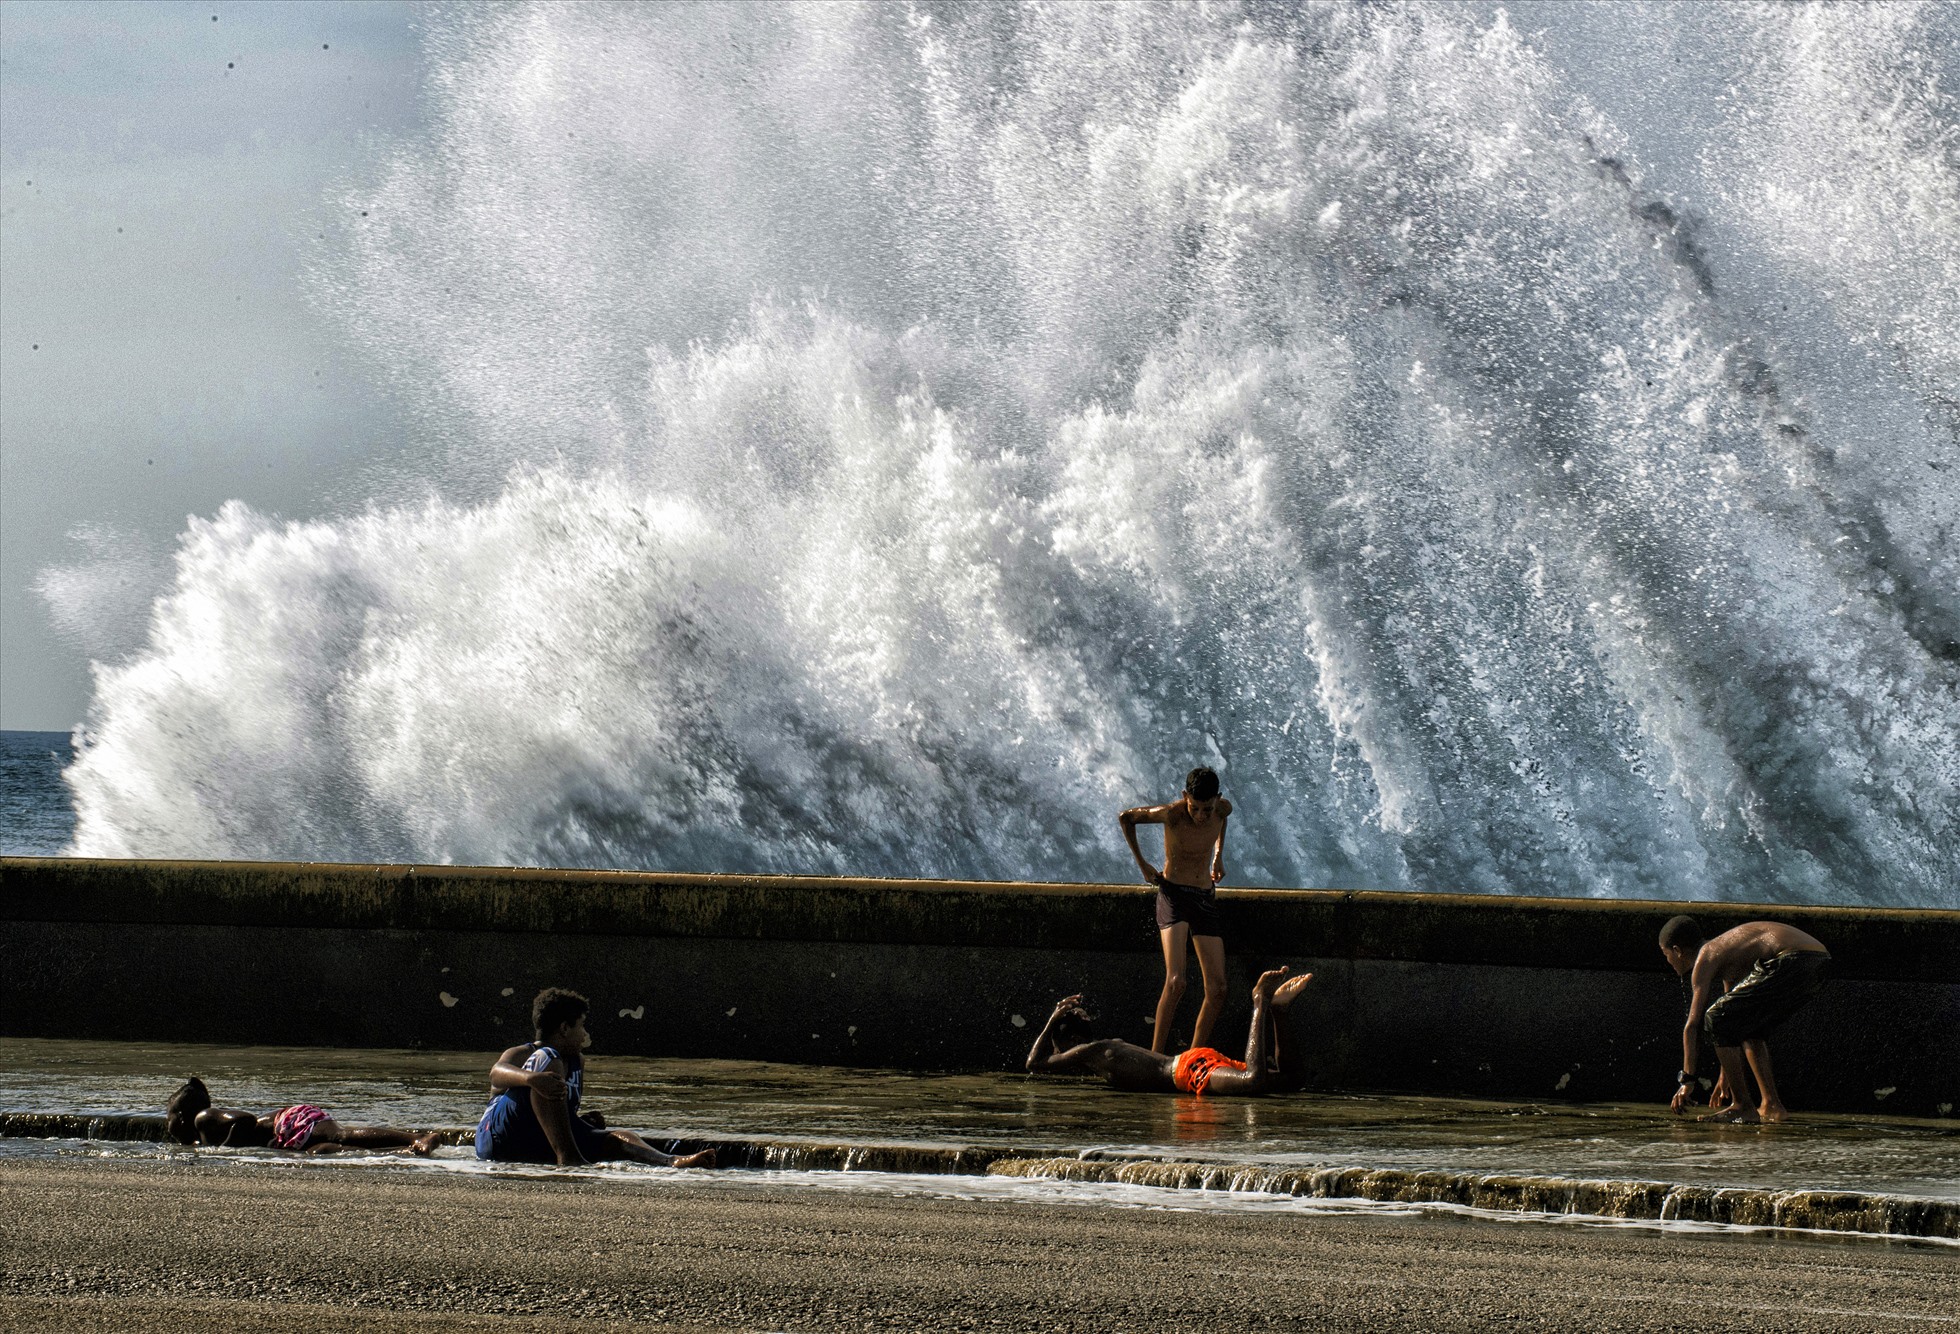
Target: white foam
858	441
1035	1191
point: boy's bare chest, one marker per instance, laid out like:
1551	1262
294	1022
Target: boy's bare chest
1185	835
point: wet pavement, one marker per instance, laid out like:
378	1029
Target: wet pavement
815	1103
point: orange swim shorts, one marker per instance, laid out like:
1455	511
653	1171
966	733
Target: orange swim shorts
1193	1070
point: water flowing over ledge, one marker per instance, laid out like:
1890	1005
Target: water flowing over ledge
1645	1201
1658	1201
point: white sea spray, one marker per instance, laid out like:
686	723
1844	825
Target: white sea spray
887	439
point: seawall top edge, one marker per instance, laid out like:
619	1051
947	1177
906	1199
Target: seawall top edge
1303	895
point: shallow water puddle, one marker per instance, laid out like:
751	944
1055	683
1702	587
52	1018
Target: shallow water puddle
833	1105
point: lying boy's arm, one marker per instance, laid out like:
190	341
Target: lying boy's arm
1044	1042
1130	819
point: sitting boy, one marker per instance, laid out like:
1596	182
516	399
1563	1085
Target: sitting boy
534	1116
1197	1071
189	1118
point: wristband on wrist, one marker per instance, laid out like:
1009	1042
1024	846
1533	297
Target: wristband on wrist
1683	1079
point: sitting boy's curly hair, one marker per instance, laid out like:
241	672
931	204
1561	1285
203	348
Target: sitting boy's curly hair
554	1007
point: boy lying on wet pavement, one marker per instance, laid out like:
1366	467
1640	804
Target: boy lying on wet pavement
190	1118
1198	1071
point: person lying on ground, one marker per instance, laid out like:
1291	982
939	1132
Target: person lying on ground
534	1116
1197	1071
190	1118
1745	983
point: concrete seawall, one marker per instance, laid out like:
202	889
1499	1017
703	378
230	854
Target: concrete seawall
1454	994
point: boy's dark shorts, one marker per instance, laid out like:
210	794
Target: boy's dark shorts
1774	990
1181	903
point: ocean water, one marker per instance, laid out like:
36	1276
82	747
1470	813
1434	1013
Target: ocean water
1519	452
37	818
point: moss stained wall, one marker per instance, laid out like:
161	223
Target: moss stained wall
1470	994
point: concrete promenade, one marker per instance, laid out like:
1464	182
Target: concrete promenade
206	1245
1465	995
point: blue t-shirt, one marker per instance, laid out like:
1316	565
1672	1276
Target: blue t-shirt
509	1131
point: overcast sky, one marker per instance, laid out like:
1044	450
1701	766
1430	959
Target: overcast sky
161	176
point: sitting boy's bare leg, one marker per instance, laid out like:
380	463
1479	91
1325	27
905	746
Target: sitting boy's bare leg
630	1145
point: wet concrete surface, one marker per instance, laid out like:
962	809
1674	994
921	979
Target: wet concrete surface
1899	1156
195	1244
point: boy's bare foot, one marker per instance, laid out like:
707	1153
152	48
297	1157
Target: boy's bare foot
424	1145
1738	1117
705	1158
1267	982
1284	994
1778	1112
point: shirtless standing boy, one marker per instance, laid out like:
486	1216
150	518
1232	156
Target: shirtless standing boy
1187	905
1746	982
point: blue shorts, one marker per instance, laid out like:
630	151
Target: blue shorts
520	1139
509	1131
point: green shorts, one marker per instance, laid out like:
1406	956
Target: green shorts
1774	990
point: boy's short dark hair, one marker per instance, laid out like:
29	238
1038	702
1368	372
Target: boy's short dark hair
554	1007
1201	783
1684	932
181	1112
189	1100
1073	1029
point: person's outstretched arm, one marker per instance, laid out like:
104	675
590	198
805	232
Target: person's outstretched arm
1704	996
1130	819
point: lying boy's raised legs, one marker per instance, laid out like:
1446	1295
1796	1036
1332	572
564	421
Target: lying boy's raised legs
1262	1065
1128	1066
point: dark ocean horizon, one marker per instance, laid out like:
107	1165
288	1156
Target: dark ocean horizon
37	812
